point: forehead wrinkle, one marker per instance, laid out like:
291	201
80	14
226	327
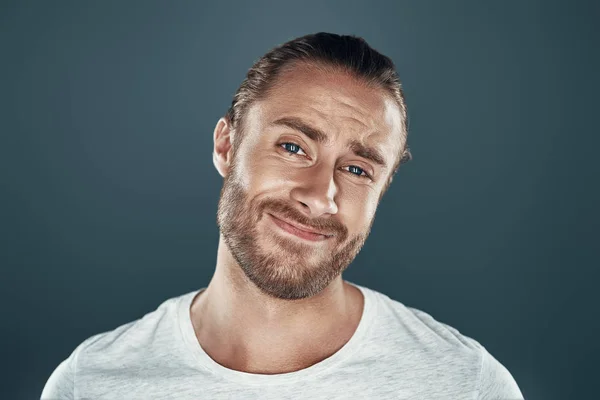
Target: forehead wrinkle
352	108
369	125
370	117
334	133
347	94
361	131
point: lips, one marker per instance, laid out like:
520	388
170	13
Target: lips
299	230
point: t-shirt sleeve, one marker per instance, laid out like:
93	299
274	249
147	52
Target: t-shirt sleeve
495	382
61	384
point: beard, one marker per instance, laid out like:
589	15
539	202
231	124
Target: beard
290	269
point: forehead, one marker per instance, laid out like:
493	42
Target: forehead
335	102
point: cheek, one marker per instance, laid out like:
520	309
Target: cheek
370	208
252	168
265	174
357	212
361	199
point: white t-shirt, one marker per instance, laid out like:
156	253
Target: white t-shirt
397	352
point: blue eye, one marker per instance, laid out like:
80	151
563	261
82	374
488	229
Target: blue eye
360	170
293	148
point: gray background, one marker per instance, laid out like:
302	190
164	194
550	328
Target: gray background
109	194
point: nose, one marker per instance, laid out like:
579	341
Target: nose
316	192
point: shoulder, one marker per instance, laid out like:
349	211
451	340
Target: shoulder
495	381
420	326
139	334
127	342
440	341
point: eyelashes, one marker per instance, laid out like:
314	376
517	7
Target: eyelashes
294	145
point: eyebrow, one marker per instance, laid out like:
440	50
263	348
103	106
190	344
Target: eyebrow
321	137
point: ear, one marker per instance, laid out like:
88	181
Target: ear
222	152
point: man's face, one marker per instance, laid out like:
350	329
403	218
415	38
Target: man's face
281	172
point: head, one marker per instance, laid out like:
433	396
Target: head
314	136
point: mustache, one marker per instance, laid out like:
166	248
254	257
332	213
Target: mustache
283	209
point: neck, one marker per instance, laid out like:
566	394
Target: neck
244	329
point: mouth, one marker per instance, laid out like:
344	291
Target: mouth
298	231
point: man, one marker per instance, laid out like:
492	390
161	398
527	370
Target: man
309	146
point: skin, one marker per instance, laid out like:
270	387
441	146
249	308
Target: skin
277	303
